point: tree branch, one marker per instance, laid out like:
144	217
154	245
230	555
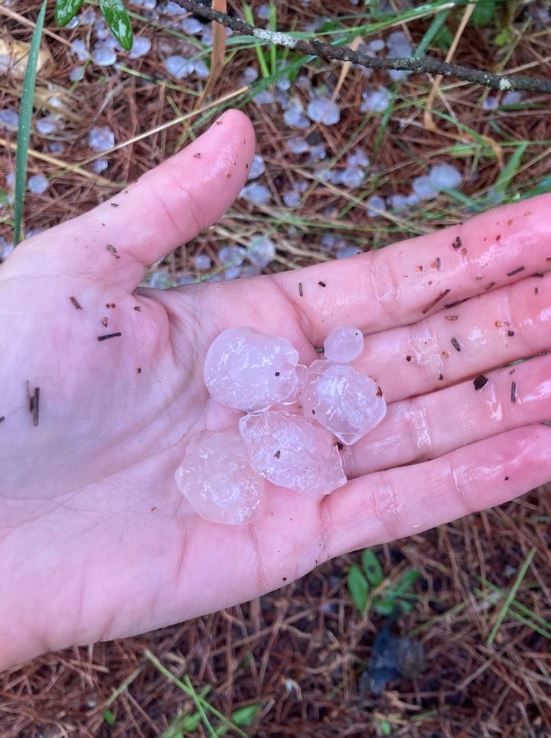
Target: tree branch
423	65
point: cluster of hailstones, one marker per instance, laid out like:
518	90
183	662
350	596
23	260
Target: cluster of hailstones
295	417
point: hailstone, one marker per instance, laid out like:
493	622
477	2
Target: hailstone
343	344
292	451
248	370
343	400
217	479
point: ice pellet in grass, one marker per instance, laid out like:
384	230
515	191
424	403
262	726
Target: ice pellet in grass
261	251
324	110
357	158
251	371
232	272
202	262
258	167
256	194
140	47
291	199
104	55
398	202
297	145
375	206
317	153
38	184
351	177
512	97
346	252
343	344
217	480
101	138
231	255
445	176
375	101
490	103
425	188
9	118
343	400
178	67
250	74
192	25
47	125
263	11
99	165
201	69
76	74
295	118
79	48
6	248
292	451
56	147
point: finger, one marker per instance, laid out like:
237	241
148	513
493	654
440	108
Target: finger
165	208
387	505
407	281
474	337
433	425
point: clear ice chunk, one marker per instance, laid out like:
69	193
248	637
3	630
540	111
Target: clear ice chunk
343	344
217	480
292	451
343	400
250	371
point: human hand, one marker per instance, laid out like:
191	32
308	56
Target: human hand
95	540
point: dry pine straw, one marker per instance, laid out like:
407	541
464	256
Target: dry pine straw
301	650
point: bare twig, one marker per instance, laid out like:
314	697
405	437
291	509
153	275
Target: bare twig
422	65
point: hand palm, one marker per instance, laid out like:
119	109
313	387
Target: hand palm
96	541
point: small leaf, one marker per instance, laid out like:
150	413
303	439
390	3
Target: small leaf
358	588
385	727
484	12
244	716
190	723
118	21
372	568
109	717
406	581
386	607
504	37
65	11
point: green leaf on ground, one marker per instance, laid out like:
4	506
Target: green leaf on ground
372	568
65	11
358	588
118	21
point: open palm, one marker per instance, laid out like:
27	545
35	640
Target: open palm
96	541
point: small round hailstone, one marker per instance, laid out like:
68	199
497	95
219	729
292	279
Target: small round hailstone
101	138
79	48
375	101
292	451
99	165
202	262
201	69
48	124
257	168
291	199
250	74
6	248
178	67
192	25
376	45
56	147
250	371
263	97
104	55
297	145
445	176
375	206
76	74
345	252
317	152
261	251
351	177
398	202
294	116
9	117
490	103
256	194
216	479
425	188
512	97
38	184
358	158
343	344
343	400
324	110
232	272
140	47
231	255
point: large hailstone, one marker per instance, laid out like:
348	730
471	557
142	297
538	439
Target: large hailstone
343	400
217	480
250	371
292	451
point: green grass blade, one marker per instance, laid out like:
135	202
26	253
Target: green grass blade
510	597
248	14
25	121
510	169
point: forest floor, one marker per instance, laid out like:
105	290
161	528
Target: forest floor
473	597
